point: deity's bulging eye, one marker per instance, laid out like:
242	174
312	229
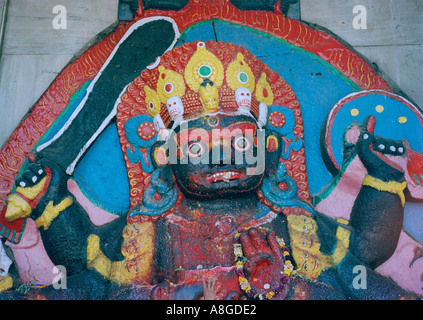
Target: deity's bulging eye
196	149
242	144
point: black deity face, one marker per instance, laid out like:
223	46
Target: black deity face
219	156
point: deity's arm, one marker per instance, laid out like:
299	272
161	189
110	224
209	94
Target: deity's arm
138	250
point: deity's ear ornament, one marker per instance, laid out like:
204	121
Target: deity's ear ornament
240	78
239	74
264	95
170	89
153	104
204	74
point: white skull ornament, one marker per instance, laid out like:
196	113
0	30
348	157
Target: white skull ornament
243	99
175	108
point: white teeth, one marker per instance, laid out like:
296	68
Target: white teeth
224	175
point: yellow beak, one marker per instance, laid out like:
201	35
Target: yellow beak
17	208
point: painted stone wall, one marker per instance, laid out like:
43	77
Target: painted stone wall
392	40
215	151
32	43
387	33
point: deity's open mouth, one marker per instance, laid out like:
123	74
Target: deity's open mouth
225	176
392	160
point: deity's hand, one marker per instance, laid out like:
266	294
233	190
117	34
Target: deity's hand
210	289
265	262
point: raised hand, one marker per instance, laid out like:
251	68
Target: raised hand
210	289
265	262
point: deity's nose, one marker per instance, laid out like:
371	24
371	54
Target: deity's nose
221	153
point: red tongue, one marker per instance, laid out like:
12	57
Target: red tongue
371	124
415	165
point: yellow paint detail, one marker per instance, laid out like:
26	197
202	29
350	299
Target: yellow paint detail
380	108
203	57
51	212
305	244
32	192
138	252
6	283
152	101
354	112
17	208
262	85
402	120
343	243
96	258
391	186
209	96
175	79
272	137
237	67
160	156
